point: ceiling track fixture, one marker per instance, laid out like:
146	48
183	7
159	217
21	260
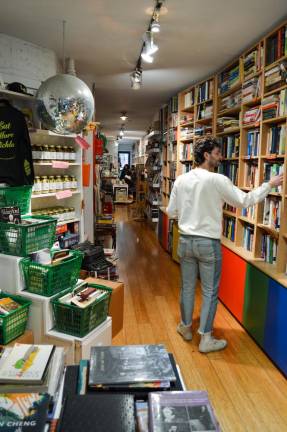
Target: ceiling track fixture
148	47
124	116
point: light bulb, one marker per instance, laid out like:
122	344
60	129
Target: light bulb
146	56
155	27
124	116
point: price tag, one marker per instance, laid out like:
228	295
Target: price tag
60	164
82	142
64	194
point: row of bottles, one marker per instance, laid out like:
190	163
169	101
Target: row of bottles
48	153
49	184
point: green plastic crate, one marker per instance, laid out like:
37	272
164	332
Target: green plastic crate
16	196
47	280
14	324
78	322
22	240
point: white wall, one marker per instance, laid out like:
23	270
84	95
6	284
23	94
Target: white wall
25	62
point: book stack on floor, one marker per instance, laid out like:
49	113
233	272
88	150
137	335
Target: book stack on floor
129	388
30	377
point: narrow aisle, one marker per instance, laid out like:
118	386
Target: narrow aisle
247	391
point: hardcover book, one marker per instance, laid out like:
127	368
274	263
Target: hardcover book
129	364
181	412
26	364
25	412
98	412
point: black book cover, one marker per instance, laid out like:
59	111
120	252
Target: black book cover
26	412
129	364
98	413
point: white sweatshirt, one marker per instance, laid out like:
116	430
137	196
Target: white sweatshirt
197	199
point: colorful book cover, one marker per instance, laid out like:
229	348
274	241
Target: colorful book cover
25	412
8	305
10	215
26	364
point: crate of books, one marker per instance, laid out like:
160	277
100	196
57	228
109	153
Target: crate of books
29	235
78	312
16	196
61	274
14	312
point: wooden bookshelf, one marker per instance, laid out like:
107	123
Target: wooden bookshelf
237	89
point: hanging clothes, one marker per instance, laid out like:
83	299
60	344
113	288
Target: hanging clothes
16	163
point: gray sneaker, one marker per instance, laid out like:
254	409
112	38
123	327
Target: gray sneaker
209	344
184	331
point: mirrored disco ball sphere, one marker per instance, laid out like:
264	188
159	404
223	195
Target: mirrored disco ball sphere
65	104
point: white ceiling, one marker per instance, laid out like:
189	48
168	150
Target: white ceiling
104	37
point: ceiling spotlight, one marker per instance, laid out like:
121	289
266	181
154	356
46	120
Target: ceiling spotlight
146	56
121	133
149	44
155	27
136	79
116	143
124	116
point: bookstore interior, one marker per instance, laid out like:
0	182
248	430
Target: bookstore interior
116	120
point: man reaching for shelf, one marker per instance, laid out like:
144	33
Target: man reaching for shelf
196	200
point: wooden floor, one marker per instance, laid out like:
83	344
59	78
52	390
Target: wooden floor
247	392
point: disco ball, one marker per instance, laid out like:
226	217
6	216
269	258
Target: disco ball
65	104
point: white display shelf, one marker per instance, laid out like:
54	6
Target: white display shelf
49	133
50	164
52	194
16	95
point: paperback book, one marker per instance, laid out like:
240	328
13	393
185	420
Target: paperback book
26	364
181	412
25	412
10	215
129	364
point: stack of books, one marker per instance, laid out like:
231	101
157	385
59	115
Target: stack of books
253	62
205	91
251	90
230	101
251	175
188	100
229	227
269	247
205	112
204	130
253	142
187	133
272	169
252	116
276	140
276	45
270	107
273	78
226	123
30	377
249	212
229	79
122	368
272	212
248	237
230	146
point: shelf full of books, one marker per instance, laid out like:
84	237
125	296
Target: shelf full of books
153	168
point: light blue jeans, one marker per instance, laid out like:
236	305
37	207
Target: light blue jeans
203	255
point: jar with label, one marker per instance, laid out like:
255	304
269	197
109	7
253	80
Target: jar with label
59	183
45	184
37	187
72	154
53	152
67	182
74	183
60	154
72	213
45	153
52	183
35	153
65	153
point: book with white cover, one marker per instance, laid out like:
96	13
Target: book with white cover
26	364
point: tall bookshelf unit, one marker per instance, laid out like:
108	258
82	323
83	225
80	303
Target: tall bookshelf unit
245	106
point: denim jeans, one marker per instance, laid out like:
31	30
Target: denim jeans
203	255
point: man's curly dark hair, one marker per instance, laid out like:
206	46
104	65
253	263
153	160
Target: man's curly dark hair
206	144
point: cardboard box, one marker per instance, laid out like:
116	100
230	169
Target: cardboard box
116	309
